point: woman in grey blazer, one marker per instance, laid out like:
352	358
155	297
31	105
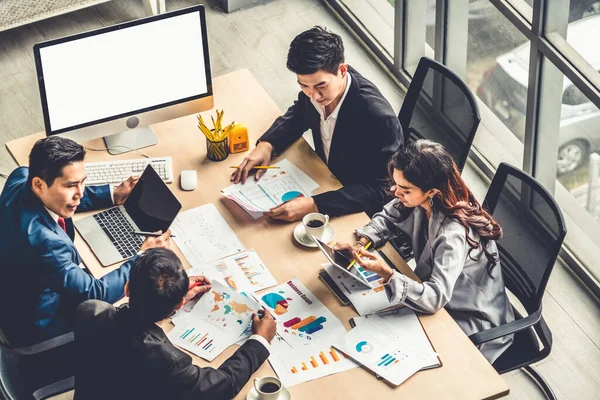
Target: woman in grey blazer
453	241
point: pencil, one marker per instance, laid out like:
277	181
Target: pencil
359	252
257	166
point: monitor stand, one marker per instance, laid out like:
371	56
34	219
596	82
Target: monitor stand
129	140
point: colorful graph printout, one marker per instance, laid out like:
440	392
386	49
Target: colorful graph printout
313	362
301	317
201	339
387	359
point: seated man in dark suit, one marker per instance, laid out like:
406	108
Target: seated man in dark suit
41	281
354	128
123	353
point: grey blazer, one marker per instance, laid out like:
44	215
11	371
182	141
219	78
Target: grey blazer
451	278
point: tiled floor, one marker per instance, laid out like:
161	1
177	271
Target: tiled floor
257	39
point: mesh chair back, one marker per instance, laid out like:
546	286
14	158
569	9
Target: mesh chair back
440	107
534	230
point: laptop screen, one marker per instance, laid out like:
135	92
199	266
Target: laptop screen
151	204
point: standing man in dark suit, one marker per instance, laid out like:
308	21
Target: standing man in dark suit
354	128
123	353
41	281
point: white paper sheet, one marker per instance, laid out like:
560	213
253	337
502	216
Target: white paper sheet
301	318
389	360
203	235
313	362
403	326
275	187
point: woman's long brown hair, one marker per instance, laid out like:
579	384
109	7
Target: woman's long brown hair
427	165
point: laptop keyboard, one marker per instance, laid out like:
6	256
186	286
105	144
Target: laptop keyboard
119	231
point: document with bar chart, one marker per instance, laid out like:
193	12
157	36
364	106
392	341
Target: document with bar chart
199	338
389	360
301	318
313	362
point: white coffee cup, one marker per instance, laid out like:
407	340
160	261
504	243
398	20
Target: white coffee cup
314	219
268	382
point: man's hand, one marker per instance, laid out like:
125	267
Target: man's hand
122	191
261	155
293	210
163	241
198	286
264	326
373	263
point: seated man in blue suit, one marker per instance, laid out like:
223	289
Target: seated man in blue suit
354	129
41	281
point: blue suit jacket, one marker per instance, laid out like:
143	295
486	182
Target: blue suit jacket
41	282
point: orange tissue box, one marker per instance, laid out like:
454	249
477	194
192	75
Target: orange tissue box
238	139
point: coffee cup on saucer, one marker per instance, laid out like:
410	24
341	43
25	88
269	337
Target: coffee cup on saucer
268	388
315	224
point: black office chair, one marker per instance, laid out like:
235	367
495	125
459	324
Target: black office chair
48	375
439	106
534	230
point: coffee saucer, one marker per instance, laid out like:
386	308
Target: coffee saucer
283	395
305	240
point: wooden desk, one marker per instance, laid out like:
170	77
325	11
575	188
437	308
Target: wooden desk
465	373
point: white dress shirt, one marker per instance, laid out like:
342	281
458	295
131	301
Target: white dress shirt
328	124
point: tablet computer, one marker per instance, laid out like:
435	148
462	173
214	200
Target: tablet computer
341	262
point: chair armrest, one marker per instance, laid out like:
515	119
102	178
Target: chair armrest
55	342
506	329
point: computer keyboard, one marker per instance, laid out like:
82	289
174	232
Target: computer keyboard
119	231
100	173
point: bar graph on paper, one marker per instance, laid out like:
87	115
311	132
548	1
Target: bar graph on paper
200	339
312	363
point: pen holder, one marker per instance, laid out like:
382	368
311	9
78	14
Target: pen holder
217	151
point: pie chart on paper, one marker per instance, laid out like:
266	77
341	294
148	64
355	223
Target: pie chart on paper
364	347
291	195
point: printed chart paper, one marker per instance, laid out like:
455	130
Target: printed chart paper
275	187
215	322
301	318
203	235
392	362
313	362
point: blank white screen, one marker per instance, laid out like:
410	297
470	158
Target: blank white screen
125	70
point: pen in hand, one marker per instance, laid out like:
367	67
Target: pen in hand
359	252
152	234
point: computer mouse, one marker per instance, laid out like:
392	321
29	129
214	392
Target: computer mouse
187	180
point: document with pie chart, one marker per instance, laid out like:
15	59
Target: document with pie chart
301	318
388	360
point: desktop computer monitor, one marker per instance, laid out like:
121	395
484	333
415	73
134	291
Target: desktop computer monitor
118	80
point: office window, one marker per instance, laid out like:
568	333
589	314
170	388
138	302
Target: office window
580	33
377	17
498	66
578	173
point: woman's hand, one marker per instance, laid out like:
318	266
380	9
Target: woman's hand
372	263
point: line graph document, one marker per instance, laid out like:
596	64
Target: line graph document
203	235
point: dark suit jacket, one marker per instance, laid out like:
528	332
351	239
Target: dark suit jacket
41	282
367	133
121	358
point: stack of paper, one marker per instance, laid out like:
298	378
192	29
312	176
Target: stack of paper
308	330
403	327
390	360
275	187
215	322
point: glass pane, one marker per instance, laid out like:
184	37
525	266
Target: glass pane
430	32
578	172
377	17
585	25
498	66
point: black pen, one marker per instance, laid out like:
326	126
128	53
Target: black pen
140	233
